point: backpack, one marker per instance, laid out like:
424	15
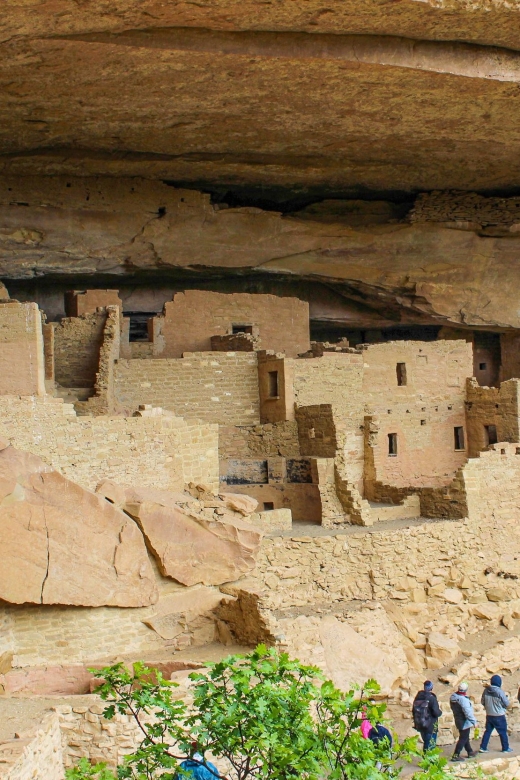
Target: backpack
422	718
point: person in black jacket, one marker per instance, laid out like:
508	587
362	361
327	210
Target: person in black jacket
426	713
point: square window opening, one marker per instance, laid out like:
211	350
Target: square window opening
423	422
268	506
482	366
400	370
458	434
272	379
491	434
392	444
242	329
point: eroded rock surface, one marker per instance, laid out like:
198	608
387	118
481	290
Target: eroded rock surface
190	545
62	544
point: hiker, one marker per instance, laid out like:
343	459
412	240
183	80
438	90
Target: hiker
380	736
495	702
379	733
464	716
426	713
197	768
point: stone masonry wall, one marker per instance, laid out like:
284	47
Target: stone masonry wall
335	379
103	400
217	387
498	406
253	441
452	206
158	451
21	349
77	342
41	754
409	563
423	412
194	316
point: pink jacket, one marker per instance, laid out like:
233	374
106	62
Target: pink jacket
365	727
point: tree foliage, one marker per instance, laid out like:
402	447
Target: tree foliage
264	715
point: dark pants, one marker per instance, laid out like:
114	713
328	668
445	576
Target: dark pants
429	738
499	723
463	743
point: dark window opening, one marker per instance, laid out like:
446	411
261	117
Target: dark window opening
423	422
491	434
273	384
401	374
458	433
392	444
139	324
242	329
268	506
482	366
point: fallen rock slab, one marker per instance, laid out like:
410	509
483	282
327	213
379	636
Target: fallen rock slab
442	648
192	548
246	505
62	544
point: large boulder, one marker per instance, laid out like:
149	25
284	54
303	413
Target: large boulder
62	544
191	545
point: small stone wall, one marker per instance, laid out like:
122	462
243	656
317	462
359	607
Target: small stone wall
217	387
77	342
21	349
194	316
453	206
38	756
498	406
156	451
261	441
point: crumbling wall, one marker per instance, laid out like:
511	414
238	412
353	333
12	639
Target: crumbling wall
496	406
250	441
194	316
21	349
159	450
81	302
465	207
103	400
276	387
334	380
422	412
77	343
510	355
218	387
40	756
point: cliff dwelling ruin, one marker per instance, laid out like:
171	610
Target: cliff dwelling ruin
259	352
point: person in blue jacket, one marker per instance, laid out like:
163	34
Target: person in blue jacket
495	702
464	716
197	768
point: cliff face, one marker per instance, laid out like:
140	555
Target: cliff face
342	97
449	271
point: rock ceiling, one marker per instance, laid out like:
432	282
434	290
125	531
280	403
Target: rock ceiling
278	99
346	96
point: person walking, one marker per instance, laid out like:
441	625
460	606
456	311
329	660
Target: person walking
426	713
464	716
495	702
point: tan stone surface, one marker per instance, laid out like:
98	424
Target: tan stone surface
157	131
21	349
64	545
194	316
243	504
193	548
424	269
